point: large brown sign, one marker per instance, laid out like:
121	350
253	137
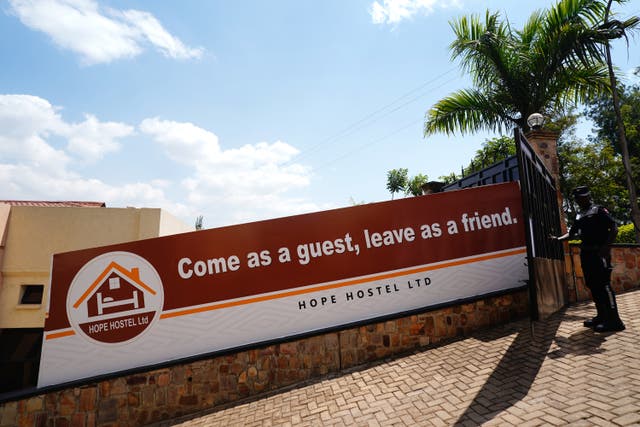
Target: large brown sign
297	274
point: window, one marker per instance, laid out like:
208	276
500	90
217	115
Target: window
31	294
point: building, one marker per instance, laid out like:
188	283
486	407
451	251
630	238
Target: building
30	233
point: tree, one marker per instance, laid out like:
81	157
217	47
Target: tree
548	64
596	165
493	150
601	111
198	224
614	30
560	57
397	180
414	185
449	179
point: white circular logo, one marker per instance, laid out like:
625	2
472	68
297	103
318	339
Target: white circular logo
115	298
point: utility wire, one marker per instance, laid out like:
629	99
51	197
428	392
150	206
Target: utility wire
372	117
363	146
368	144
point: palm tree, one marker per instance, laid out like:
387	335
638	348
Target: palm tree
552	62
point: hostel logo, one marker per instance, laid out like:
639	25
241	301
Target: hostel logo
114	298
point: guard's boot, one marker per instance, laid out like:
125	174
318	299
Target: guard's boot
590	323
611	319
609	326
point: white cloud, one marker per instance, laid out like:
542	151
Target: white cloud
26	182
91	139
44	157
183	142
247	182
99	36
394	11
21	115
250	168
151	29
33	167
26	122
38	153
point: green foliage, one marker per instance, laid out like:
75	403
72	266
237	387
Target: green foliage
414	186
626	234
493	150
601	111
397	180
596	165
449	179
555	60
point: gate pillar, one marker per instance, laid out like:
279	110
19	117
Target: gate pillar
545	144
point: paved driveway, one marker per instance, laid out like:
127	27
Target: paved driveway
563	374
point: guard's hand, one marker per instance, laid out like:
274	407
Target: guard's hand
552	237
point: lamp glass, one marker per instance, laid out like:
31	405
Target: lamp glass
535	121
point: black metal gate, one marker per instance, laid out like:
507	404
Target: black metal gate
545	257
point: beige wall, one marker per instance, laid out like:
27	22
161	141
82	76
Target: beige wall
4	219
34	234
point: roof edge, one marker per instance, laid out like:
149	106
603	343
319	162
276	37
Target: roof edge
47	203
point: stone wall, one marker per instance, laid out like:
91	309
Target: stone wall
161	394
625	276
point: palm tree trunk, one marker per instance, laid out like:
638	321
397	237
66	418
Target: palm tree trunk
622	137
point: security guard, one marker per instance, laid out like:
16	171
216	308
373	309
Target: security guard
597	230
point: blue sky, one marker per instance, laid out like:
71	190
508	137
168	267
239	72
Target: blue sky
234	110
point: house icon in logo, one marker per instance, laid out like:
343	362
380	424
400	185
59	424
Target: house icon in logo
115	290
114	298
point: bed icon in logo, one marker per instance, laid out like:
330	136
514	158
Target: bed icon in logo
114	298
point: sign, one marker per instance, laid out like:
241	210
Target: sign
152	301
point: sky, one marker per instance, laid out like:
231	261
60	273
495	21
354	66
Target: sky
237	110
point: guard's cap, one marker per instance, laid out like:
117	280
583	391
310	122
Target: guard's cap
581	191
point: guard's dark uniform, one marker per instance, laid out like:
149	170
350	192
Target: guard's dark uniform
593	226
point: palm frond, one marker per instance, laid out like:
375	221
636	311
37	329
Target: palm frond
467	111
555	61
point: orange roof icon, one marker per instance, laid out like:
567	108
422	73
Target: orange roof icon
133	276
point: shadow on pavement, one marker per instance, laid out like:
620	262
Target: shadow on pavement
584	342
512	378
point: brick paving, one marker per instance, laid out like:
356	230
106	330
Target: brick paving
559	373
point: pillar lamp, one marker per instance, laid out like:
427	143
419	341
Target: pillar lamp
535	121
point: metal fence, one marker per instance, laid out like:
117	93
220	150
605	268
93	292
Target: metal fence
502	171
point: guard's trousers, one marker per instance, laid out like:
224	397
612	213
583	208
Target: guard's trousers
597	277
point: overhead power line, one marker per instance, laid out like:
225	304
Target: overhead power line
368	144
375	116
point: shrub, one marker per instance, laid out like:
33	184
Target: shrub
626	234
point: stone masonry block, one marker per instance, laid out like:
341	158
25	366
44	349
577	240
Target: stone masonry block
8	414
66	403
88	397
35	404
